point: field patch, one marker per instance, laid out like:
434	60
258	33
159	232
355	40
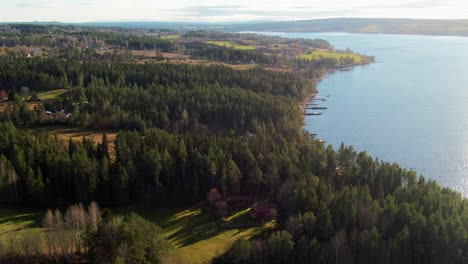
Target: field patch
317	54
50	95
64	134
171	37
44	96
232	44
194	234
18	222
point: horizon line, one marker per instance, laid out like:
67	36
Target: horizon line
229	22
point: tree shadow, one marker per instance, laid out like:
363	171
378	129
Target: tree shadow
183	225
32	219
194	228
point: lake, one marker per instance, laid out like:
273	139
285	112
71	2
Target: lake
410	107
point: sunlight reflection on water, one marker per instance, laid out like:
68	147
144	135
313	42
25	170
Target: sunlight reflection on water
409	108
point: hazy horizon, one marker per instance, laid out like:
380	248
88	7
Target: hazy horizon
77	11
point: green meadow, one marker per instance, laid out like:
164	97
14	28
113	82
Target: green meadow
332	55
195	236
230	44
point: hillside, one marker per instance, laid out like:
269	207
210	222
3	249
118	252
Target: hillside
436	27
363	25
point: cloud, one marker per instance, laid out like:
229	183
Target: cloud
82	3
243	11
414	4
221	10
34	6
210	10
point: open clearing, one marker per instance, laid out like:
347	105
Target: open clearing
43	95
230	44
6	104
332	55
50	95
170	37
195	236
64	133
17	222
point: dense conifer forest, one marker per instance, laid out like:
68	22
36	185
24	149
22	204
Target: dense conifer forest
186	129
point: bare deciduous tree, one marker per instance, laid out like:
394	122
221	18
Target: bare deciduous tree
94	216
48	220
58	220
75	220
75	217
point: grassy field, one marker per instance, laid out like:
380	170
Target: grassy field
64	133
196	237
50	95
230	44
44	96
18	222
333	55
175	36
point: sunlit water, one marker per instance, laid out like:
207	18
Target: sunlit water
410	107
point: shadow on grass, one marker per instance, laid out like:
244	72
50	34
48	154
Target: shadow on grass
194	228
29	220
183	226
13	221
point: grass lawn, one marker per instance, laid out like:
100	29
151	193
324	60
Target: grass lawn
195	236
44	96
49	95
229	44
242	218
175	36
333	55
17	222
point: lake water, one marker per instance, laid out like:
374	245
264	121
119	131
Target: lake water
410	107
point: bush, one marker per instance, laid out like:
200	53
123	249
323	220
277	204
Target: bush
129	239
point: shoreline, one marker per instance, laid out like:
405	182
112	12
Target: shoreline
303	103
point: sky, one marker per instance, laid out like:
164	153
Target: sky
224	11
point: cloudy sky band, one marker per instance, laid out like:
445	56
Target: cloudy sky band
218	10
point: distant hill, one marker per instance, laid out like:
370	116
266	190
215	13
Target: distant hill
152	25
456	27
363	25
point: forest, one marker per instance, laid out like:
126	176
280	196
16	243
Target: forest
183	130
